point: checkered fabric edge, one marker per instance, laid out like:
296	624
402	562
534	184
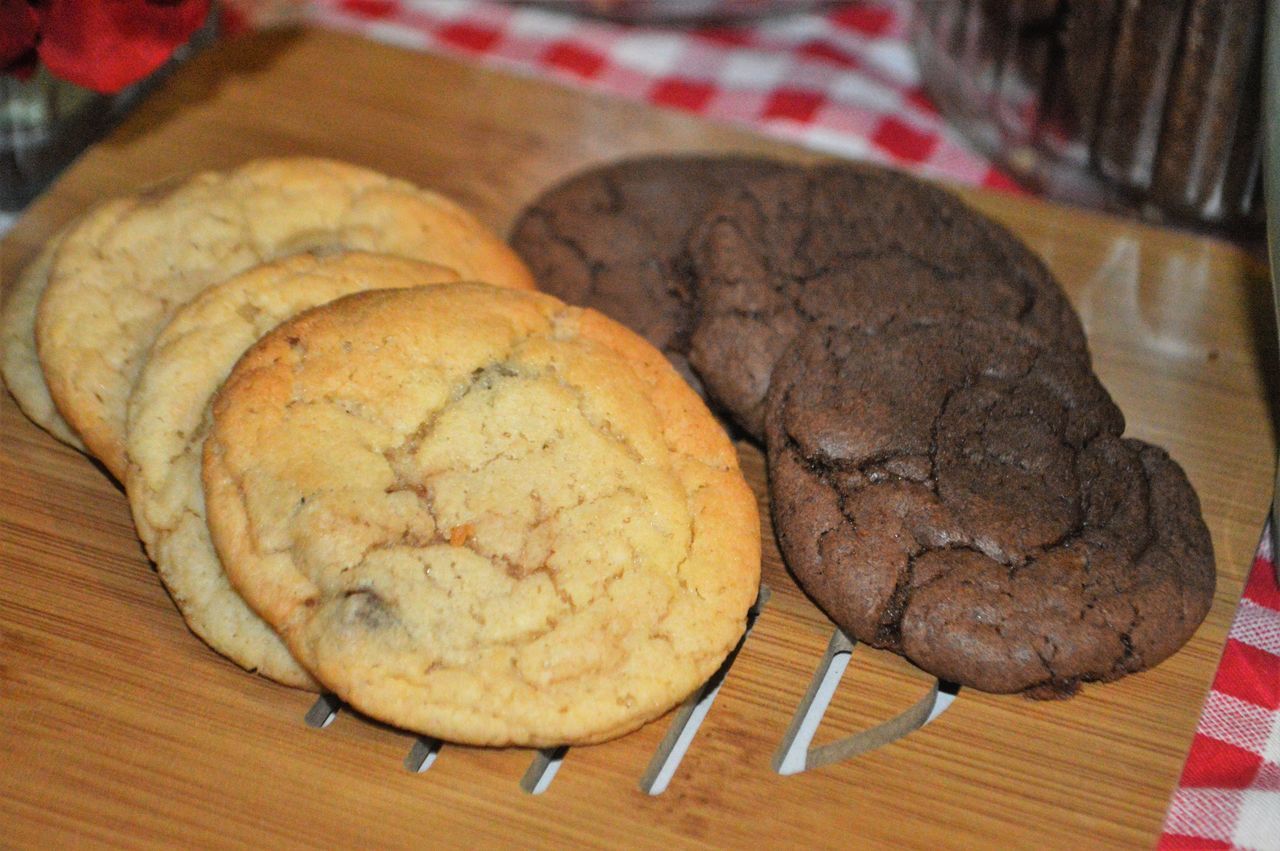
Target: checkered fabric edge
1229	792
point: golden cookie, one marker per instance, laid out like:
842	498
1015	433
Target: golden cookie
167	427
482	514
118	278
18	361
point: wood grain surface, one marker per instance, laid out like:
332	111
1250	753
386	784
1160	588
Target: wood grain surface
119	728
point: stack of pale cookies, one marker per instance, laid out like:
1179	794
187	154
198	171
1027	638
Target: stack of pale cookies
367	457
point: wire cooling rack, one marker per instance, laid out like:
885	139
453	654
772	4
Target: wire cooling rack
795	752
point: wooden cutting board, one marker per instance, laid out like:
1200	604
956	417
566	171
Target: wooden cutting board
118	727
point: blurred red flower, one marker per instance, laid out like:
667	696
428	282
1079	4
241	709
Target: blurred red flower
19	25
102	45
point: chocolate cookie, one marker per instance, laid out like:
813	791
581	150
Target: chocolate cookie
954	493
850	245
614	238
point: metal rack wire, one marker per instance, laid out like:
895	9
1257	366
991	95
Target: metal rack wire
795	753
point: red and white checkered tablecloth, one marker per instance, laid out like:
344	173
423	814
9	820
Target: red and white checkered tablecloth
1229	793
844	81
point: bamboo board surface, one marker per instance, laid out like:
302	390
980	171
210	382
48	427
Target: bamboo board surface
118	727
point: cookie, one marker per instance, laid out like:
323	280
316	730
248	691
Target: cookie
18	361
481	514
167	426
119	276
954	493
850	245
614	238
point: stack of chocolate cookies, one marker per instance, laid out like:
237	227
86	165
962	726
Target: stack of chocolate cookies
948	478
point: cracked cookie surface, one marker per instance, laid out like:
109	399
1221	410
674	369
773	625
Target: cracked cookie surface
950	491
849	245
121	273
168	424
482	514
614	238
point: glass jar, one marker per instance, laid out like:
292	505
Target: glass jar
1150	106
44	123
